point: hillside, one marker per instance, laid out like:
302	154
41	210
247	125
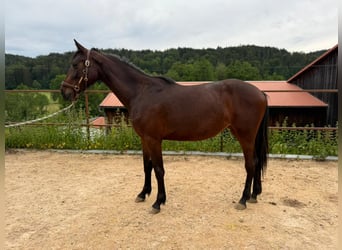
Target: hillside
246	62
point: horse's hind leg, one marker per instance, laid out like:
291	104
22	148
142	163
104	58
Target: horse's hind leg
257	188
246	138
250	169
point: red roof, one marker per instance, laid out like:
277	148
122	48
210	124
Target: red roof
111	101
99	122
275	99
287	99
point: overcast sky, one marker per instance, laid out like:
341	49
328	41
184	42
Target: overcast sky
39	27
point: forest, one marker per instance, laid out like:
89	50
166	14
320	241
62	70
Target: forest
181	64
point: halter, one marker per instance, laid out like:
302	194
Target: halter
84	77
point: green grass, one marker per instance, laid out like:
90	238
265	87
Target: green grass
316	143
72	136
53	105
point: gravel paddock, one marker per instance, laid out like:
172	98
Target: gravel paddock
60	200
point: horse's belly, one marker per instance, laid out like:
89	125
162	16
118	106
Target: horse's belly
196	132
188	137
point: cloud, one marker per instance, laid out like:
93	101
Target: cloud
42	26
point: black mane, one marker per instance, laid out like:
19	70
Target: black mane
166	79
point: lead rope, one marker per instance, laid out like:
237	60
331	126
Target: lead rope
39	119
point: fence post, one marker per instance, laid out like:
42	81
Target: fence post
87	118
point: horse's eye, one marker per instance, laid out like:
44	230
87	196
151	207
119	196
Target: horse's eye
74	65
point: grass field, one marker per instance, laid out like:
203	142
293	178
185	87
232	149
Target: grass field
53	105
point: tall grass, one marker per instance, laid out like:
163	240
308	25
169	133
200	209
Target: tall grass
307	142
71	136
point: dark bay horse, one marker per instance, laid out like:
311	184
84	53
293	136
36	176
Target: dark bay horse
160	109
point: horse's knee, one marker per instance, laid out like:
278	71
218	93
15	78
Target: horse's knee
159	172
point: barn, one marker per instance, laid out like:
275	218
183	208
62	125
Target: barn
321	74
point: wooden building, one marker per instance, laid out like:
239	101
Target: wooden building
322	74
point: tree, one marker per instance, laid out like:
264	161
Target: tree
243	71
17	74
200	70
203	70
221	71
181	72
36	84
25	106
55	83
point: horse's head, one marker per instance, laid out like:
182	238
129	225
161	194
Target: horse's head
83	72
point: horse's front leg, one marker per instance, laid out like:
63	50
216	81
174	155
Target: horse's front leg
153	147
152	152
147	184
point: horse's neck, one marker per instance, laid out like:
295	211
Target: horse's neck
123	80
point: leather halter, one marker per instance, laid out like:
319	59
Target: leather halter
77	87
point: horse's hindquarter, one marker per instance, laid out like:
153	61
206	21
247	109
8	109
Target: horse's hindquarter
248	105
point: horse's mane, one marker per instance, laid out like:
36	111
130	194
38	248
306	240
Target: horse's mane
166	79
133	66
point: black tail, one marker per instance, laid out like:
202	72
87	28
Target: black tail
261	144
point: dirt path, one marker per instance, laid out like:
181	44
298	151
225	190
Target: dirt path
86	201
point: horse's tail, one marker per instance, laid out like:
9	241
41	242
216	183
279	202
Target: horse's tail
261	143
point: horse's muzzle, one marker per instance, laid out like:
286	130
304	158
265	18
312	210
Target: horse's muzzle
68	93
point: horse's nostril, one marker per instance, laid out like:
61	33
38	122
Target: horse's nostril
68	96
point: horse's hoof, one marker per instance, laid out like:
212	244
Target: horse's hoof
139	199
240	206
252	200
154	210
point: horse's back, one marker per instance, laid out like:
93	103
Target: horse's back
242	89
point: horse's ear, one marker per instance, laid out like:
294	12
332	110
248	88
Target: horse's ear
80	47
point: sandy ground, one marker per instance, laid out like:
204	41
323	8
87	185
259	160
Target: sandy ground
86	201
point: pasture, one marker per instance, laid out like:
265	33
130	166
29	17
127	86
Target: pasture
60	200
